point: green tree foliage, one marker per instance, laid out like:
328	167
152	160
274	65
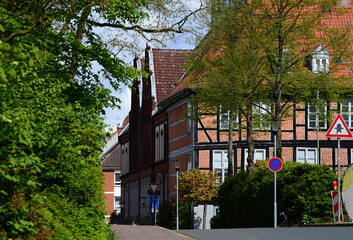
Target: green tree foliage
258	51
303	194
50	146
230	71
197	186
51	100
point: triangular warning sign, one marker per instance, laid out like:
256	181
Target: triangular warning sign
153	187
339	128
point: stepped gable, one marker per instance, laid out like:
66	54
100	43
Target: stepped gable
169	67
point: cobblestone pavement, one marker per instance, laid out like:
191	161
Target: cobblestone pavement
133	232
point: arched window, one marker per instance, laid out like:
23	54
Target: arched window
160	188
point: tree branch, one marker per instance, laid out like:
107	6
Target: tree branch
176	27
37	22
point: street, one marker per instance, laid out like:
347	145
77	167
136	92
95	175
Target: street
132	232
294	233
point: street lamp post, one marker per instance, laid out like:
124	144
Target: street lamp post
177	193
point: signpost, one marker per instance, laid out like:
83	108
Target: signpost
154	200
275	164
339	129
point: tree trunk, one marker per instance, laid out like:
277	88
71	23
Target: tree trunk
230	145
278	125
204	216
250	141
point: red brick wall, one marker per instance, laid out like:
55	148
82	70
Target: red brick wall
109	191
178	128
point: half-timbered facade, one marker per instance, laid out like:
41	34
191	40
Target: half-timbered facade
162	131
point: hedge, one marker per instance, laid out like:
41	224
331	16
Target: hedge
303	195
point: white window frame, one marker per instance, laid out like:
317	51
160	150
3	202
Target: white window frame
306	150
117	207
314	118
117	182
256	150
320	61
224	120
260	111
224	165
347	112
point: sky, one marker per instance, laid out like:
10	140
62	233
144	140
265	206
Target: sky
115	117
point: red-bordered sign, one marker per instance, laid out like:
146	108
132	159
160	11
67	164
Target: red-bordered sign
339	128
275	164
153	187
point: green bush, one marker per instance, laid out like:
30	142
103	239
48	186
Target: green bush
167	216
303	194
69	220
215	222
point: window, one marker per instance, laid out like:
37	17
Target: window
159	143
190	162
261	116
220	164
125	158
117	180
347	112
117	204
317	115
319	62
306	155
224	120
189	117
259	154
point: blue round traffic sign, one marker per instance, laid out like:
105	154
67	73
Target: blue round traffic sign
275	164
153	198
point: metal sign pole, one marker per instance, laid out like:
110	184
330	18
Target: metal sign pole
275	185
275	201
177	200
154	211
339	128
339	179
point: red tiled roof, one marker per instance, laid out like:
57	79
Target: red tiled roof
342	18
126	121
112	160
338	18
169	67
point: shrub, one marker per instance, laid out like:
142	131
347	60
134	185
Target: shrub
167	216
303	194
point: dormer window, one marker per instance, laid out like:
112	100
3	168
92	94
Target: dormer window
320	60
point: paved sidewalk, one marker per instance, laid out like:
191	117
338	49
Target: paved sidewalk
132	232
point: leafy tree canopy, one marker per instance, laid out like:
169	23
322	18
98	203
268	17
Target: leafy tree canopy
51	102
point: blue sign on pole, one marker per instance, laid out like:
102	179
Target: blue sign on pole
275	164
154	201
